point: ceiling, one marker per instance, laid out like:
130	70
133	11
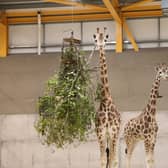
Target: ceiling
91	10
21	4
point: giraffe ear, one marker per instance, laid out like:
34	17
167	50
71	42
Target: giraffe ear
94	36
156	68
107	36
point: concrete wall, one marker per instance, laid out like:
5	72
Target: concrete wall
20	146
22	81
52	34
131	75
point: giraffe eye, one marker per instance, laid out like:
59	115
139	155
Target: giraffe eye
96	41
107	36
94	36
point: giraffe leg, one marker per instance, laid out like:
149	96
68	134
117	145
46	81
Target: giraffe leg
130	145
101	135
149	160
103	157
149	149
113	158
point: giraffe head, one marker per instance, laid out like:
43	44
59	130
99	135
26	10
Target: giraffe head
100	38
162	71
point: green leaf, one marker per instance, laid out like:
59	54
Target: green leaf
67	108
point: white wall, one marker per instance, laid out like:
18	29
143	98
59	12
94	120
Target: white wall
23	36
164	30
142	30
20	146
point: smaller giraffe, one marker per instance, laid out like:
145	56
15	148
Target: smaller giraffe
107	118
145	127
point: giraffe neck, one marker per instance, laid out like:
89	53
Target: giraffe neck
151	106
105	91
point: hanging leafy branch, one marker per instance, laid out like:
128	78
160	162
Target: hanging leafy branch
67	109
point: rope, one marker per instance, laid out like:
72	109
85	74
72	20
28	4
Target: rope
91	55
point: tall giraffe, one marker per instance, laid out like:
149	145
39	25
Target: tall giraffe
107	118
144	127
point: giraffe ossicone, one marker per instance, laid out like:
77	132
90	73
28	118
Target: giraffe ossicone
144	127
107	118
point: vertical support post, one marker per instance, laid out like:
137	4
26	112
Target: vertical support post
119	37
113	7
39	32
3	34
119	28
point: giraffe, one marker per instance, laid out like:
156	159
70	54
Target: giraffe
107	117
144	127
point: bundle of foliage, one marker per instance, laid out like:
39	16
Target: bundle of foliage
66	109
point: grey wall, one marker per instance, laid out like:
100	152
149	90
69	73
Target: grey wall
22	80
20	146
131	75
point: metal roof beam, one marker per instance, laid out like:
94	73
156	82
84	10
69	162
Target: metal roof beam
56	12
112	10
142	14
62	18
121	25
